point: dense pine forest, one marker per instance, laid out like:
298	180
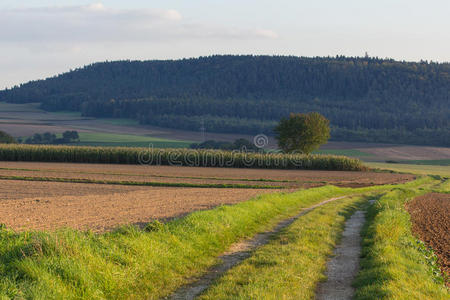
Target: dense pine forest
366	99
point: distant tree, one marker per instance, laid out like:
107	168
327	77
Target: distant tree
37	138
244	144
70	136
48	138
302	132
6	138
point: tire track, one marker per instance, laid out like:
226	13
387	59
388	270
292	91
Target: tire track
344	266
236	254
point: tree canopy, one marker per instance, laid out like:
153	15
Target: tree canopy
6	138
302	133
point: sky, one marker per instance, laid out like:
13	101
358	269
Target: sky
44	38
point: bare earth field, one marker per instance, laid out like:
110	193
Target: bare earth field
430	215
99	207
153	173
51	205
402	153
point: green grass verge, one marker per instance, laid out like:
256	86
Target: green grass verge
142	183
293	263
395	265
133	263
409	168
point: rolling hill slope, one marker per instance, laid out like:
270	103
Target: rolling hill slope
366	99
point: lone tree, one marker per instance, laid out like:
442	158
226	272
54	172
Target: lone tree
302	132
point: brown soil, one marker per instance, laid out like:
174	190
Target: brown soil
137	178
342	178
430	216
408	152
50	205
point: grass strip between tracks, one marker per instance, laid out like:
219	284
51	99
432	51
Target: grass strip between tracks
293	263
143	264
395	264
142	183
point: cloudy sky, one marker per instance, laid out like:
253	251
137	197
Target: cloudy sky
43	38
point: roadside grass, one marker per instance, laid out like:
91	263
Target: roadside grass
410	168
142	183
293	263
134	263
394	264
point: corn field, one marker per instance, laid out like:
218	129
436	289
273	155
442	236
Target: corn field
176	157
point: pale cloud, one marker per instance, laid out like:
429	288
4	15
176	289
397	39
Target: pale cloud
267	33
43	41
96	23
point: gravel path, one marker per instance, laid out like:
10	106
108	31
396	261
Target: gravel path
344	265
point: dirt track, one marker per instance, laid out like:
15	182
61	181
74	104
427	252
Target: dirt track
430	215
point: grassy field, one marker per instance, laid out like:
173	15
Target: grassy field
345	152
122	140
412	168
433	162
28	107
152	261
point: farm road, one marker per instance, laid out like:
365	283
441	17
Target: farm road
236	254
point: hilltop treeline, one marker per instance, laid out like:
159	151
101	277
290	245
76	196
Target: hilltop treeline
366	99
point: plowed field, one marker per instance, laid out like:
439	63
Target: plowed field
203	175
51	205
430	215
26	204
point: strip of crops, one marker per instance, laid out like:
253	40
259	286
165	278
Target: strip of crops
176	157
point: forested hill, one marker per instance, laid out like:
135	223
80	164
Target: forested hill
366	99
